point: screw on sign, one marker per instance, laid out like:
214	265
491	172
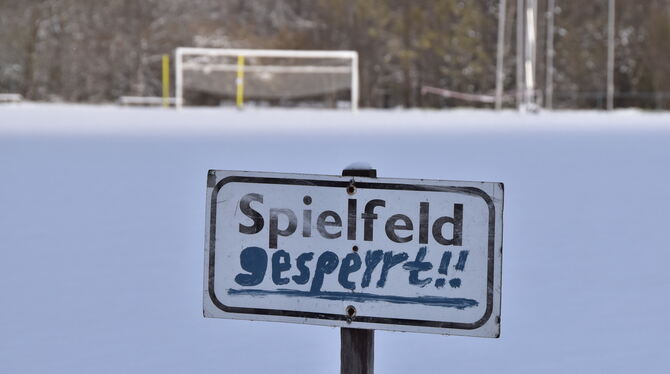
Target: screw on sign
355	251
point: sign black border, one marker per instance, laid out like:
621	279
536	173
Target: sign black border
471	191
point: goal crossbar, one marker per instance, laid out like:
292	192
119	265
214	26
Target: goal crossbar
293	53
270	68
351	56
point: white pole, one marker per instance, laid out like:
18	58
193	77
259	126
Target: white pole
519	52
610	55
501	53
549	82
178	80
531	13
354	82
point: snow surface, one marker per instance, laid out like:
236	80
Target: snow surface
102	224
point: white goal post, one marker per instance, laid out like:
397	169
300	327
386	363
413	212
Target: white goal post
348	65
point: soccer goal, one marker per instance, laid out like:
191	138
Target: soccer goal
266	77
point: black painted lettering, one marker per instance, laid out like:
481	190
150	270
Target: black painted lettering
307	218
368	216
457	225
424	209
392	225
351	220
274	224
322	222
257	218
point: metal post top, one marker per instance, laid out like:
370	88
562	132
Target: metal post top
359	169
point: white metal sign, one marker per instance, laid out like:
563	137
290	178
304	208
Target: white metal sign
373	253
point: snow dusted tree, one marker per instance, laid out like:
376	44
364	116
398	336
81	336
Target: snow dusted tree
93	51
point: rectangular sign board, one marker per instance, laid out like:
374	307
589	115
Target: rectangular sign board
359	252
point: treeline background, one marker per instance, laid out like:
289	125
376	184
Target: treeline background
96	51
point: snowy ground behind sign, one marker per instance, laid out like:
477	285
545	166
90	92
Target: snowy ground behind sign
101	218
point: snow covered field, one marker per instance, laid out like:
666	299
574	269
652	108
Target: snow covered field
102	224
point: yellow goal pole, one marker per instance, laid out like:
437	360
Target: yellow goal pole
166	81
240	82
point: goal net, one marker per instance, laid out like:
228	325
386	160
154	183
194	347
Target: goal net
210	76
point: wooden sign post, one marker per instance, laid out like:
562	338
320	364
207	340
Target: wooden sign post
357	346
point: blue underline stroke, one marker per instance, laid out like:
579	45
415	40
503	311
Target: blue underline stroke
449	302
